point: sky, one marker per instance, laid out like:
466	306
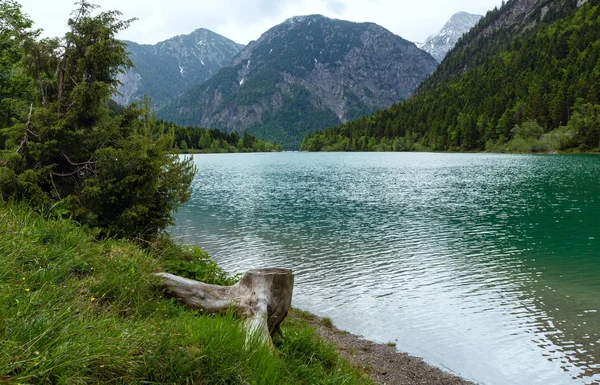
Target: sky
245	20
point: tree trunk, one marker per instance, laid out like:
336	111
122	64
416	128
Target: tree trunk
263	297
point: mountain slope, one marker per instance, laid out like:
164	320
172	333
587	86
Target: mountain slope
496	32
164	70
307	73
440	44
521	73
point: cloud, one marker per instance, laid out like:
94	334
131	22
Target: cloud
269	7
336	6
245	20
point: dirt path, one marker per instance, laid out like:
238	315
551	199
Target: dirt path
383	362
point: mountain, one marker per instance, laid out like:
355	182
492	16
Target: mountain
526	78
308	73
164	70
440	44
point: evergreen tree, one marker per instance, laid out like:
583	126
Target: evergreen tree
15	86
69	150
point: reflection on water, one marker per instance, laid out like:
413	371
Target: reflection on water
486	265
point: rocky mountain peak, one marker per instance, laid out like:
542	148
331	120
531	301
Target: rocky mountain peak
462	18
164	70
439	44
303	19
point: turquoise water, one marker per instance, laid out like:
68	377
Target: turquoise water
486	265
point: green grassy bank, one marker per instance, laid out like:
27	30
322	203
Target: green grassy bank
77	310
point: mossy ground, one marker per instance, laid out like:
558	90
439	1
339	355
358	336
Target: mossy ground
77	310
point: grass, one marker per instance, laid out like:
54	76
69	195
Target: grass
76	310
327	322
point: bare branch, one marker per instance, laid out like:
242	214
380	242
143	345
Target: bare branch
65	175
27	131
88	166
78	164
54	185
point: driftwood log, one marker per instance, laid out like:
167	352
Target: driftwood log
263	297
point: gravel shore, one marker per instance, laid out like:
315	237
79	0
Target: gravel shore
382	362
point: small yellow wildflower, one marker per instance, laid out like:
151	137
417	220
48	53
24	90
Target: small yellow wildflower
22	279
92	299
27	289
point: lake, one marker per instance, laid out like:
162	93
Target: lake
486	265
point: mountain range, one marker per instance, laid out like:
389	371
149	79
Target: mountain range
308	73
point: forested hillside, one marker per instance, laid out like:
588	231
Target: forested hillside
526	78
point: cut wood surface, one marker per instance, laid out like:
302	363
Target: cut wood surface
263	297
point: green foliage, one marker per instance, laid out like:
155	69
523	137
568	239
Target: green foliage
78	310
196	139
495	86
297	116
69	149
585	124
327	322
528	129
15	86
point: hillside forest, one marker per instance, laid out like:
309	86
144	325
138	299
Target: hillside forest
536	90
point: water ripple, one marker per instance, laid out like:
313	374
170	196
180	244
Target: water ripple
483	264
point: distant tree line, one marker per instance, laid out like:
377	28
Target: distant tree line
217	141
197	139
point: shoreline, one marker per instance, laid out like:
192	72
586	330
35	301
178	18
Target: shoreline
567	152
382	362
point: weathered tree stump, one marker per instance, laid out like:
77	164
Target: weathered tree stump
263	297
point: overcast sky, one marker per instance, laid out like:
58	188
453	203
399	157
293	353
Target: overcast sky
245	20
